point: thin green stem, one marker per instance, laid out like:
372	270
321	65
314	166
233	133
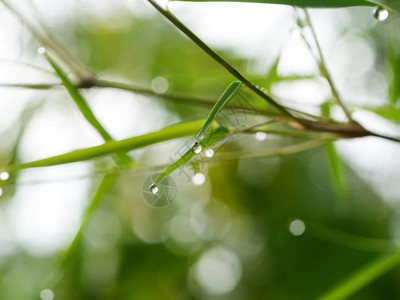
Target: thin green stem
364	276
216	57
348	240
80	70
324	70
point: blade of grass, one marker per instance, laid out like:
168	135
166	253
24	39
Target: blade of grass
228	95
168	133
364	276
84	107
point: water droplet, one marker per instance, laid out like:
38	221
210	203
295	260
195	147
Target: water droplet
297	227
381	14
159	85
198	179
196	148
209	153
260	136
41	50
47	294
4	176
153	188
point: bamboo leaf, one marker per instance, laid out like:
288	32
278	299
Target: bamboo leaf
307	3
84	106
210	139
168	133
228	95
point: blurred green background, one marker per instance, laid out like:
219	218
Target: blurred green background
266	228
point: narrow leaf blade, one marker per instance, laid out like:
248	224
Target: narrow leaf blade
228	95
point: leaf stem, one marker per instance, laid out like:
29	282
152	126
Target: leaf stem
324	70
215	56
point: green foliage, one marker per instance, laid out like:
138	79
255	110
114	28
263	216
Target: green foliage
251	196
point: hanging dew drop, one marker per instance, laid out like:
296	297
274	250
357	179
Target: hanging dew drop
196	148
209	153
153	188
381	14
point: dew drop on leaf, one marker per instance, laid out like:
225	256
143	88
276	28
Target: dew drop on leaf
381	14
153	188
196	148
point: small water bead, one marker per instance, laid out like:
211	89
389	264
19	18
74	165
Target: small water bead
4	176
153	188
260	136
209	153
381	14
41	50
198	179
196	148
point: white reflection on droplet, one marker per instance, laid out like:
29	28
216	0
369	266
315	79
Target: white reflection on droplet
260	136
159	85
196	147
198	179
153	188
297	227
381	14
47	294
218	271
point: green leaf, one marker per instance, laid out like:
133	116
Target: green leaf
84	106
228	95
210	139
307	3
168	133
364	276
388	112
